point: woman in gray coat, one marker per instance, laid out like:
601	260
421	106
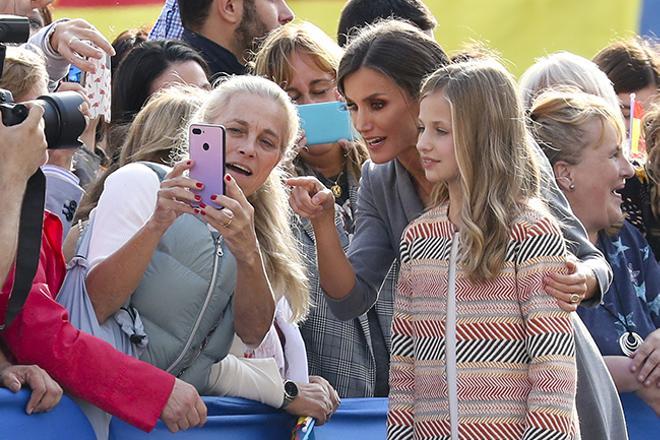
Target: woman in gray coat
382	93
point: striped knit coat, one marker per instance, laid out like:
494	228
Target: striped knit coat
499	362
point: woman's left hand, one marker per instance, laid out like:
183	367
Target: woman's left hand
646	360
570	289
234	220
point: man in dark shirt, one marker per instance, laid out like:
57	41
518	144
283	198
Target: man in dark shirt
224	31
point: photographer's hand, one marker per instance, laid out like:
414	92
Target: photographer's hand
71	39
23	150
24	146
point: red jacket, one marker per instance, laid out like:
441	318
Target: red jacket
84	366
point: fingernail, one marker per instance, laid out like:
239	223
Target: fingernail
199	185
647	383
213	197
228	178
641	378
203	212
29	411
198	198
196	211
202	205
189	162
633	368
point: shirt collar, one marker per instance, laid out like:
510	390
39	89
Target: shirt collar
220	60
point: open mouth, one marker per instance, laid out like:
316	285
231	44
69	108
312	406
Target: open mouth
240	169
616	192
373	142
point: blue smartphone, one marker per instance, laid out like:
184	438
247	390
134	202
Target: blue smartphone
326	122
75	75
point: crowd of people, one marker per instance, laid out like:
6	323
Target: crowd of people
483	252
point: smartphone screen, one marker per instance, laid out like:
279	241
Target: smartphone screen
206	145
75	75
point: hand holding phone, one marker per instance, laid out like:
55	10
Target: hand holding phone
206	144
325	122
96	85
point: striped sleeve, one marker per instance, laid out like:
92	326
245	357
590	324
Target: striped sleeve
549	335
402	371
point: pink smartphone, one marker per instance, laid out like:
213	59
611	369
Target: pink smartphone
206	145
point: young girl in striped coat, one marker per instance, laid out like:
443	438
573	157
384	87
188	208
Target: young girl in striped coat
478	349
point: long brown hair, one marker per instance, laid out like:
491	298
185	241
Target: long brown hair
396	49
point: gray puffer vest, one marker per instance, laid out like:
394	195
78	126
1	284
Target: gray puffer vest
185	301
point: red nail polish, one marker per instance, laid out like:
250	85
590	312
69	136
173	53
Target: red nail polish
202	205
198	198
196	211
213	197
189	162
228	178
199	185
203	212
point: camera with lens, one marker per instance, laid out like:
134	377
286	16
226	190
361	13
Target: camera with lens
63	121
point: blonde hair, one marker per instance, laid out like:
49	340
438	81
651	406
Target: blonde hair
22	70
566	69
154	136
272	62
651	133
284	264
159	128
558	118
491	146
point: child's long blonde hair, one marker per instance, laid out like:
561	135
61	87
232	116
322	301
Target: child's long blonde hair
499	174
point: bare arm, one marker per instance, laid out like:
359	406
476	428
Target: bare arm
107	290
23	150
624	379
112	281
12	193
254	304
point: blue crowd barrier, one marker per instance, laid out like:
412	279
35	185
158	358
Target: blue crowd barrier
228	419
641	421
65	421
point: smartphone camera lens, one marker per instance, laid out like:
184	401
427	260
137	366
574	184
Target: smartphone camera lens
205	147
197	131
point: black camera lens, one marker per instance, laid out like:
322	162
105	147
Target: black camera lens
63	120
197	131
205	147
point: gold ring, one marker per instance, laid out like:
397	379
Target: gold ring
574	299
226	225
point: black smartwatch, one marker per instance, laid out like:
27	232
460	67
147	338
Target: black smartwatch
290	393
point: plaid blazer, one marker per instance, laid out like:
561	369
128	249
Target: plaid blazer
341	351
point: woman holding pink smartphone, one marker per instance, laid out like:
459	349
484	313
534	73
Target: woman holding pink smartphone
197	272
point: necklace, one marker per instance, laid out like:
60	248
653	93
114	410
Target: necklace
334	185
630	341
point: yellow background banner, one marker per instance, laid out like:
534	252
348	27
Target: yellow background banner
521	30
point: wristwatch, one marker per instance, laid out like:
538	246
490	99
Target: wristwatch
290	393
